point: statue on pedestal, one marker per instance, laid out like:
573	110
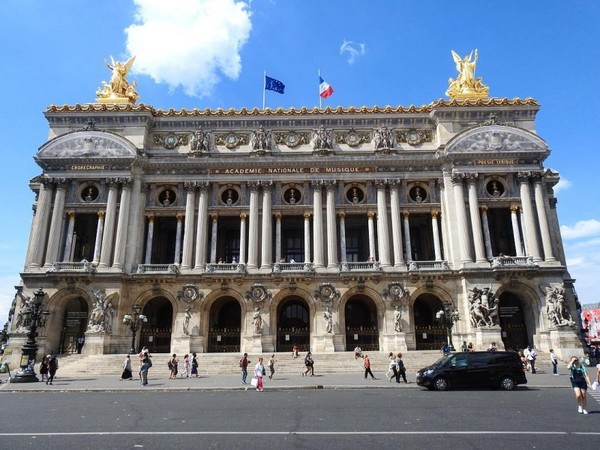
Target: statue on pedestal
258	322
118	89
466	85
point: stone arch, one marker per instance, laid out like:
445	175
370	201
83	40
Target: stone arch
423	304
380	306
362	321
58	337
531	311
224	321
160	308
289	334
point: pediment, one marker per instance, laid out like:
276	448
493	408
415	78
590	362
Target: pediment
89	144
496	139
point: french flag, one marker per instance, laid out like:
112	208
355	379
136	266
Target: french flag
325	89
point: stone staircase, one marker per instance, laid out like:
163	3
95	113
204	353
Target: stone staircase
211	364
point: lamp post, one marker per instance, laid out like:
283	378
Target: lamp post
34	316
135	321
448	316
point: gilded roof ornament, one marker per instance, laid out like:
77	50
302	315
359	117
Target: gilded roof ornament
466	86
118	90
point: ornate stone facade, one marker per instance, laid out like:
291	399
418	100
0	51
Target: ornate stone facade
296	228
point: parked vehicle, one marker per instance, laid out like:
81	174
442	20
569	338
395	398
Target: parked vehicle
502	370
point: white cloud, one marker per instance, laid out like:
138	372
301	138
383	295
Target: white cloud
562	185
189	43
353	50
583	228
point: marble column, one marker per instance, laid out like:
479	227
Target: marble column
135	234
213	238
371	229
267	228
202	228
68	250
277	237
462	230
188	232
253	227
149	238
486	233
437	248
530	237
540	205
317	224
122	226
332	253
343	256
514	220
39	231
396	227
109	224
98	242
405	216
54	236
306	238
242	239
523	232
475	220
383	230
178	235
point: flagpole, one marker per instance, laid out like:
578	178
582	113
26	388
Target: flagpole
319	87
263	87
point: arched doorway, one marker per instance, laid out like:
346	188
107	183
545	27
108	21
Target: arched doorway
224	326
512	321
74	324
429	333
156	333
360	316
293	325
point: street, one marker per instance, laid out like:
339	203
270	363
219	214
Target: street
329	418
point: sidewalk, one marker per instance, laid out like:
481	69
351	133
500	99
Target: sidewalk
158	381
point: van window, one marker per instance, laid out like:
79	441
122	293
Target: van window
460	360
481	359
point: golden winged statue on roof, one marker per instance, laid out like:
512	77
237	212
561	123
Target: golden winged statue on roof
466	85
118	89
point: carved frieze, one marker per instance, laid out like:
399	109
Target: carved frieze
327	293
413	136
232	140
292	139
189	294
353	137
258	294
170	140
394	292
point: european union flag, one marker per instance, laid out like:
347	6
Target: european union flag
271	84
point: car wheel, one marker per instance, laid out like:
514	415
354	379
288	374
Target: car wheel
440	384
507	383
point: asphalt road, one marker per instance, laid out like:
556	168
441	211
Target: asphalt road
298	419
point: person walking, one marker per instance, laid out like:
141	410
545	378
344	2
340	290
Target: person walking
186	366
244	366
172	364
127	374
309	363
367	365
400	368
392	370
579	382
272	362
554	361
52	367
259	371
44	368
194	365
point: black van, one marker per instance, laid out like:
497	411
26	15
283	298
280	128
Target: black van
502	370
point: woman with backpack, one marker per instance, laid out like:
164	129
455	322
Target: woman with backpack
580	382
309	364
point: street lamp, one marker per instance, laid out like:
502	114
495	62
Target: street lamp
34	316
135	321
448	317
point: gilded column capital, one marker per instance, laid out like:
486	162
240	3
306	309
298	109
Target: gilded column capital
457	177
371	214
71	214
405	214
435	214
307	215
342	215
179	217
514	209
277	216
214	217
150	217
243	217
484	209
101	214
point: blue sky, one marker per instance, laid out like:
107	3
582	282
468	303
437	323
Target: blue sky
212	54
